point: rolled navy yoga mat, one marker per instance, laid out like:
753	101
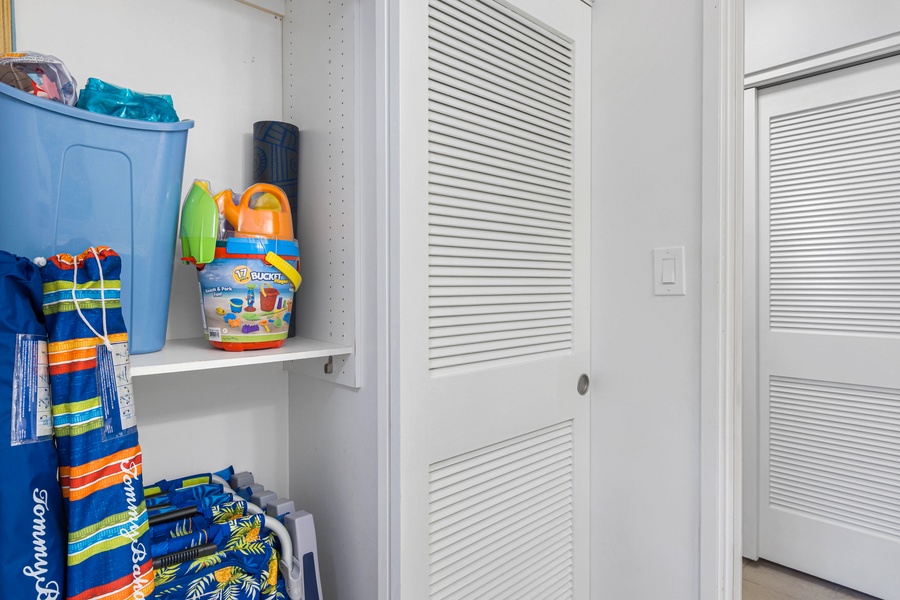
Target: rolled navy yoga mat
276	160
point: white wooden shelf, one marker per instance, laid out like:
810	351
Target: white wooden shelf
196	354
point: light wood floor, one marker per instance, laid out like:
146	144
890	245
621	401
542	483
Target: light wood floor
764	580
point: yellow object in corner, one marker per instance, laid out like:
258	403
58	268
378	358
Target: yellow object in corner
5	26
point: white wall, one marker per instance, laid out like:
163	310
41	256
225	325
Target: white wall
203	421
646	348
780	31
221	63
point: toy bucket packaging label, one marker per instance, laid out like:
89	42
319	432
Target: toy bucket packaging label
245	300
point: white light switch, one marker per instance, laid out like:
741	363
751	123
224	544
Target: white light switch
668	271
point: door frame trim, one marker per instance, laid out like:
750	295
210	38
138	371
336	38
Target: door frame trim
720	301
832	60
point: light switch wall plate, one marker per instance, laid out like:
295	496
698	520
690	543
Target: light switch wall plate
668	271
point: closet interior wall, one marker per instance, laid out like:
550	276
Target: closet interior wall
329	93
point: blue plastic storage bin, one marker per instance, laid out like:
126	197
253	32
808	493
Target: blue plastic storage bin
70	179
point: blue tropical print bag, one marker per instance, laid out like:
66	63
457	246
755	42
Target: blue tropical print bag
245	567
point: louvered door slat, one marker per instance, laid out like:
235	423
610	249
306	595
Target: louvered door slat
833	148
441	213
492	92
499	512
463	250
442	195
502	336
492	72
495	251
835	451
848	132
822	214
830	245
490	188
514	312
488	137
851	254
837	169
490	545
838	486
502	570
437	261
495	18
800	204
454	466
809	438
482	140
500	302
446	24
447	110
499	109
532	171
848	206
456	547
461	363
506	181
492	150
847	117
528	272
530	342
496	328
840	123
459	31
860	180
877	151
467	512
836	113
542	587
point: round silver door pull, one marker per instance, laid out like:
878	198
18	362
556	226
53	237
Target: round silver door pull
584	384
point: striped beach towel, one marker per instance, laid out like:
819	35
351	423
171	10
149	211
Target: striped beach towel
96	434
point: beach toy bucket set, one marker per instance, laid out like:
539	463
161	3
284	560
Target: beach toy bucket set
247	263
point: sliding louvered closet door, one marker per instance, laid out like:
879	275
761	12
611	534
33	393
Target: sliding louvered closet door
490	297
829	326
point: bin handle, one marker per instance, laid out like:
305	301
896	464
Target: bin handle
285	267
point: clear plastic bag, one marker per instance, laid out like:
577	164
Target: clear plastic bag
104	98
47	76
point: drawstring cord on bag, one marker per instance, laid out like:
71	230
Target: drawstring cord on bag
105	336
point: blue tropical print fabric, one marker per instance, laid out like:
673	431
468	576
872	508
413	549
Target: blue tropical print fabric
245	567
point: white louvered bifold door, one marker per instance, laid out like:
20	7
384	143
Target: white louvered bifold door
491	221
829	326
